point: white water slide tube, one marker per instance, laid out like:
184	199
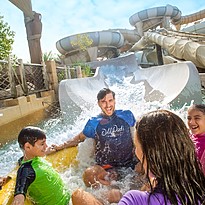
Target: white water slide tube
174	84
190	18
144	20
151	18
118	37
99	38
180	48
196	28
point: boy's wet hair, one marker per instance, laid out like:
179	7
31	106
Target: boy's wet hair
103	92
31	135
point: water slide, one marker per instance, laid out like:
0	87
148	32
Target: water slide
143	20
181	47
187	44
173	84
111	43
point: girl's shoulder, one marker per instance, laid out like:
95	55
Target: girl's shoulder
133	197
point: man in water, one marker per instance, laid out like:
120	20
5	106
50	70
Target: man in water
112	132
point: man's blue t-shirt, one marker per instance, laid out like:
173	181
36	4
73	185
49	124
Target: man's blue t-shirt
114	144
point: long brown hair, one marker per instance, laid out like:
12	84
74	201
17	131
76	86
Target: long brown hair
171	157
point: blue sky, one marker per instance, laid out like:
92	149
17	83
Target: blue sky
61	18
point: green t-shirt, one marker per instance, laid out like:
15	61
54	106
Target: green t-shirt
43	183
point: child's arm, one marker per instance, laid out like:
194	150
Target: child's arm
70	143
25	176
18	200
4	180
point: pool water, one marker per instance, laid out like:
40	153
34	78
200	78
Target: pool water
58	130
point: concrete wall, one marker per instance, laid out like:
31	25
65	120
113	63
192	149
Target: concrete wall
23	111
28	110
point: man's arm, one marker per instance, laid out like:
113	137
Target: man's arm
73	142
70	143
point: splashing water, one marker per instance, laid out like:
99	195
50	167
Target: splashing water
128	96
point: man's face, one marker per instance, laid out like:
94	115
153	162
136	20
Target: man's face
107	104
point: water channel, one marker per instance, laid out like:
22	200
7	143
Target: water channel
58	130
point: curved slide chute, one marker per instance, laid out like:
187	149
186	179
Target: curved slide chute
99	39
174	84
198	27
118	38
121	40
180	47
189	19
153	17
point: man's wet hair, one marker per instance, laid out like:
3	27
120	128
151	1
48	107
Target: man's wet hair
103	92
31	135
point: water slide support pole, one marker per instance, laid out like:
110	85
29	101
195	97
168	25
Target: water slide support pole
159	55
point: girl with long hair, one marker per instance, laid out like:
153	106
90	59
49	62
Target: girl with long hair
168	156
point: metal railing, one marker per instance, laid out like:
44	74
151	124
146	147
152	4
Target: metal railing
21	79
68	72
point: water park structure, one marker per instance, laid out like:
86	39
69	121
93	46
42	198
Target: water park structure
158	55
163	52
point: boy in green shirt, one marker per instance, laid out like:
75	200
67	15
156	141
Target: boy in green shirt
35	175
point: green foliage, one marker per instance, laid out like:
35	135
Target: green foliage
86	70
48	56
81	42
61	75
14	60
6	39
